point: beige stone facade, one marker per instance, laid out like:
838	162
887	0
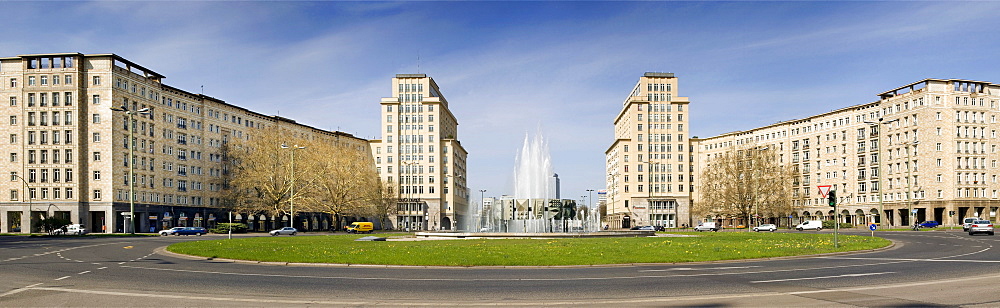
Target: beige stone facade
67	148
927	149
420	153
649	164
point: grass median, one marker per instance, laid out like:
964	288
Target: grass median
342	249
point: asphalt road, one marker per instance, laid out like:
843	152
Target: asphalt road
931	269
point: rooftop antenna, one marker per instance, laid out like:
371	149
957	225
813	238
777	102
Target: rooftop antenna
202	89
418	61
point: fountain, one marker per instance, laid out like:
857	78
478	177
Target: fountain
534	210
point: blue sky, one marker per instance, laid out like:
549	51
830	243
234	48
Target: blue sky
508	68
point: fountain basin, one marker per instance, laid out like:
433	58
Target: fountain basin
630	233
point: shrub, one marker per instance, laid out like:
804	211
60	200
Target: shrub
828	224
224	228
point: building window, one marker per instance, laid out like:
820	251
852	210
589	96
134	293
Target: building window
97	137
97	156
97	194
97	118
97	99
97	175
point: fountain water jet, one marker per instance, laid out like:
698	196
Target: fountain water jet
532	211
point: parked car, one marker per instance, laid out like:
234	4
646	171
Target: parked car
981	226
810	225
170	231
659	228
707	226
928	224
968	222
765	227
284	231
647	228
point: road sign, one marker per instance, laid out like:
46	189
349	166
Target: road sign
872	227
824	190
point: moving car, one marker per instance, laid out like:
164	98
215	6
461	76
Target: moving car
968	222
284	231
810	225
765	227
199	231
981	226
170	231
707	226
360	227
74	229
928	224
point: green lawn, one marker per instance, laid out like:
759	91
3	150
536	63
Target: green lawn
343	249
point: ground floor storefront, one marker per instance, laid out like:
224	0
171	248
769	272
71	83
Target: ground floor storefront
115	218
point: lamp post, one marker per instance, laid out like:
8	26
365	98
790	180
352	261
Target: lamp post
28	196
130	226
878	153
291	199
482	203
909	192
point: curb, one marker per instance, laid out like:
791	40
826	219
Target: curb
163	251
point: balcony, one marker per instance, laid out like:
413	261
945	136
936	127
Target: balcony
182	141
182	157
183	126
182	189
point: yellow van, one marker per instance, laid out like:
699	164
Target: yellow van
360	227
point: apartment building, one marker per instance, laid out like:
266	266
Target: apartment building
922	151
420	153
67	150
649	163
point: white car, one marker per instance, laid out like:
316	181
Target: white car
171	231
981	226
707	226
284	231
810	225
765	227
967	222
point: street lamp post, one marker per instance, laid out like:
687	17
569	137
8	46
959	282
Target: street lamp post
482	211
291	199
909	191
130	226
28	196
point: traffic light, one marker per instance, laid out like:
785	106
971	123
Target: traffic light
951	213
832	198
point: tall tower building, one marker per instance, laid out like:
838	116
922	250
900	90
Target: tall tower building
420	155
649	163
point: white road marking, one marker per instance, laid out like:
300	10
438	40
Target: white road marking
699	269
915	260
63	277
104	267
823	277
83	272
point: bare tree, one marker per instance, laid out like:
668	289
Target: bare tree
384	202
261	179
744	181
344	183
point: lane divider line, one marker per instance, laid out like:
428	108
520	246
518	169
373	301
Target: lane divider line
823	277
